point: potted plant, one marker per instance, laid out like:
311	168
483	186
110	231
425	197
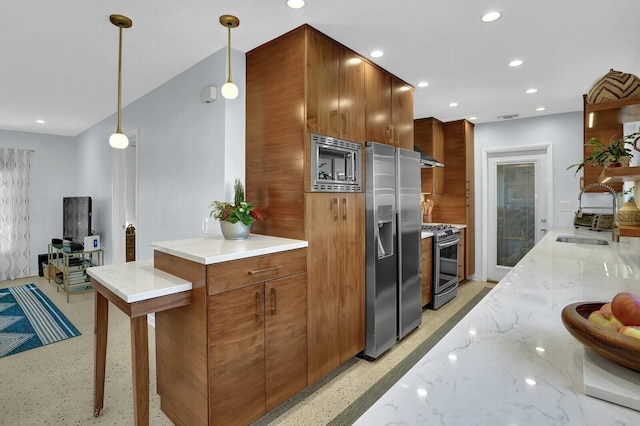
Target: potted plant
235	218
607	155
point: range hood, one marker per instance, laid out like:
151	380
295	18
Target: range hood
427	161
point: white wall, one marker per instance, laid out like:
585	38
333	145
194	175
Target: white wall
189	153
53	177
563	131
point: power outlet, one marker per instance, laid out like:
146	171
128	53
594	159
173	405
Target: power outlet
565	206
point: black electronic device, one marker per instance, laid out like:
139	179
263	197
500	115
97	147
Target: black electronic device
76	214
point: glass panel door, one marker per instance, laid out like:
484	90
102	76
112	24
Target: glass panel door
516	212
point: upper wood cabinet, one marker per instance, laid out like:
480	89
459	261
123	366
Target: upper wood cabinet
402	114
335	89
378	105
605	121
429	137
389	109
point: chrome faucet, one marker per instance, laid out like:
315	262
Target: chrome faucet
615	236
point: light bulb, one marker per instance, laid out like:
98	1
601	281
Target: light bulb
229	90
119	140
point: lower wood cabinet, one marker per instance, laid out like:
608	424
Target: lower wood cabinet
240	348
257	348
427	270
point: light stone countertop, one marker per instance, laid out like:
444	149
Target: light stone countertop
215	249
510	361
136	281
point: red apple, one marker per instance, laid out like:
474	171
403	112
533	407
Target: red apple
629	330
626	307
597	317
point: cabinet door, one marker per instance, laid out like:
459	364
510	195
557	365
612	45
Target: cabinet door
349	280
351	96
429	137
321	230
402	114
237	356
378	105
286	337
427	270
322	85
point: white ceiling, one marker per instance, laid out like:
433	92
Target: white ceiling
59	59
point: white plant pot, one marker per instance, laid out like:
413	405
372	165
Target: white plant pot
234	231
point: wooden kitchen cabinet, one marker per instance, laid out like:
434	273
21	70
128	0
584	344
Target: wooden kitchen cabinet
240	348
290	92
427	270
455	203
389	109
335	89
257	348
335	230
429	137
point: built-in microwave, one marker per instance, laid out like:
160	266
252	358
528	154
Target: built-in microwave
335	165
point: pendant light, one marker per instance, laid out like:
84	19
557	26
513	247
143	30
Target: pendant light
229	90
118	139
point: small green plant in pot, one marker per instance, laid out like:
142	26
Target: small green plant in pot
240	210
607	154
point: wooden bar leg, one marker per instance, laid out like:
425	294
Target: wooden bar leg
100	354
140	369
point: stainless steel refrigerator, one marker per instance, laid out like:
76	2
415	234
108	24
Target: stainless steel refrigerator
393	225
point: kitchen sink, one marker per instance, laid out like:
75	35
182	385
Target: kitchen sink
581	240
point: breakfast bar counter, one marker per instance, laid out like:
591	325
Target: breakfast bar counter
511	361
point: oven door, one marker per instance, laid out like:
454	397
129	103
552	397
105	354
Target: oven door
445	263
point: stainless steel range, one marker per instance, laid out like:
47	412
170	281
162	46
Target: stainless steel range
445	262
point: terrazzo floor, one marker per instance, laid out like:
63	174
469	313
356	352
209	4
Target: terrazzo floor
53	385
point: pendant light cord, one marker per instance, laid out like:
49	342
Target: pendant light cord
229	52
119	130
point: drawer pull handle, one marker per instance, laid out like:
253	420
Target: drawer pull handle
260	271
273	301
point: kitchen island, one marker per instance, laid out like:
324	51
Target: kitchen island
240	347
510	361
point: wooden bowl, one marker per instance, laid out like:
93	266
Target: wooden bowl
624	350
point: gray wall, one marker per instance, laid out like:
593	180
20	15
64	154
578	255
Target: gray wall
189	153
54	167
563	131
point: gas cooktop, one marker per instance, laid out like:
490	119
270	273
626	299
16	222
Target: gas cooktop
442	230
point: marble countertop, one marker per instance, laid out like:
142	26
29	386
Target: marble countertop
510	361
215	249
136	281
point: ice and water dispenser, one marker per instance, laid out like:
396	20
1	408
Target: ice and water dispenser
385	231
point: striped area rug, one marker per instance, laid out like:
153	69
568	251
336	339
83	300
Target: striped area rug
28	320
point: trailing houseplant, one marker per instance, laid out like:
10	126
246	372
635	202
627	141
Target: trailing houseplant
240	210
607	154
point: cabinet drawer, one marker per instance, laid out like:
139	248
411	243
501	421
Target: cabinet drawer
236	274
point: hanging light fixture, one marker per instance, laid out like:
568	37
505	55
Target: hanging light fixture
119	139
229	90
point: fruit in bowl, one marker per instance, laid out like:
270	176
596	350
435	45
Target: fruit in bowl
604	332
626	307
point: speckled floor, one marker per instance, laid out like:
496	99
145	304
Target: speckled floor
53	385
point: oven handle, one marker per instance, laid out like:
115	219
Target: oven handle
445	244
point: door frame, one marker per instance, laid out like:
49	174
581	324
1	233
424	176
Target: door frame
524	151
119	195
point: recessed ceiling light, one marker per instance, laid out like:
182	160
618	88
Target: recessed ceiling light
530	381
490	16
377	54
532	90
473	117
516	63
40	121
453	104
423	84
540	109
295	4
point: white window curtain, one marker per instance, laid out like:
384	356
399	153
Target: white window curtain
15	169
